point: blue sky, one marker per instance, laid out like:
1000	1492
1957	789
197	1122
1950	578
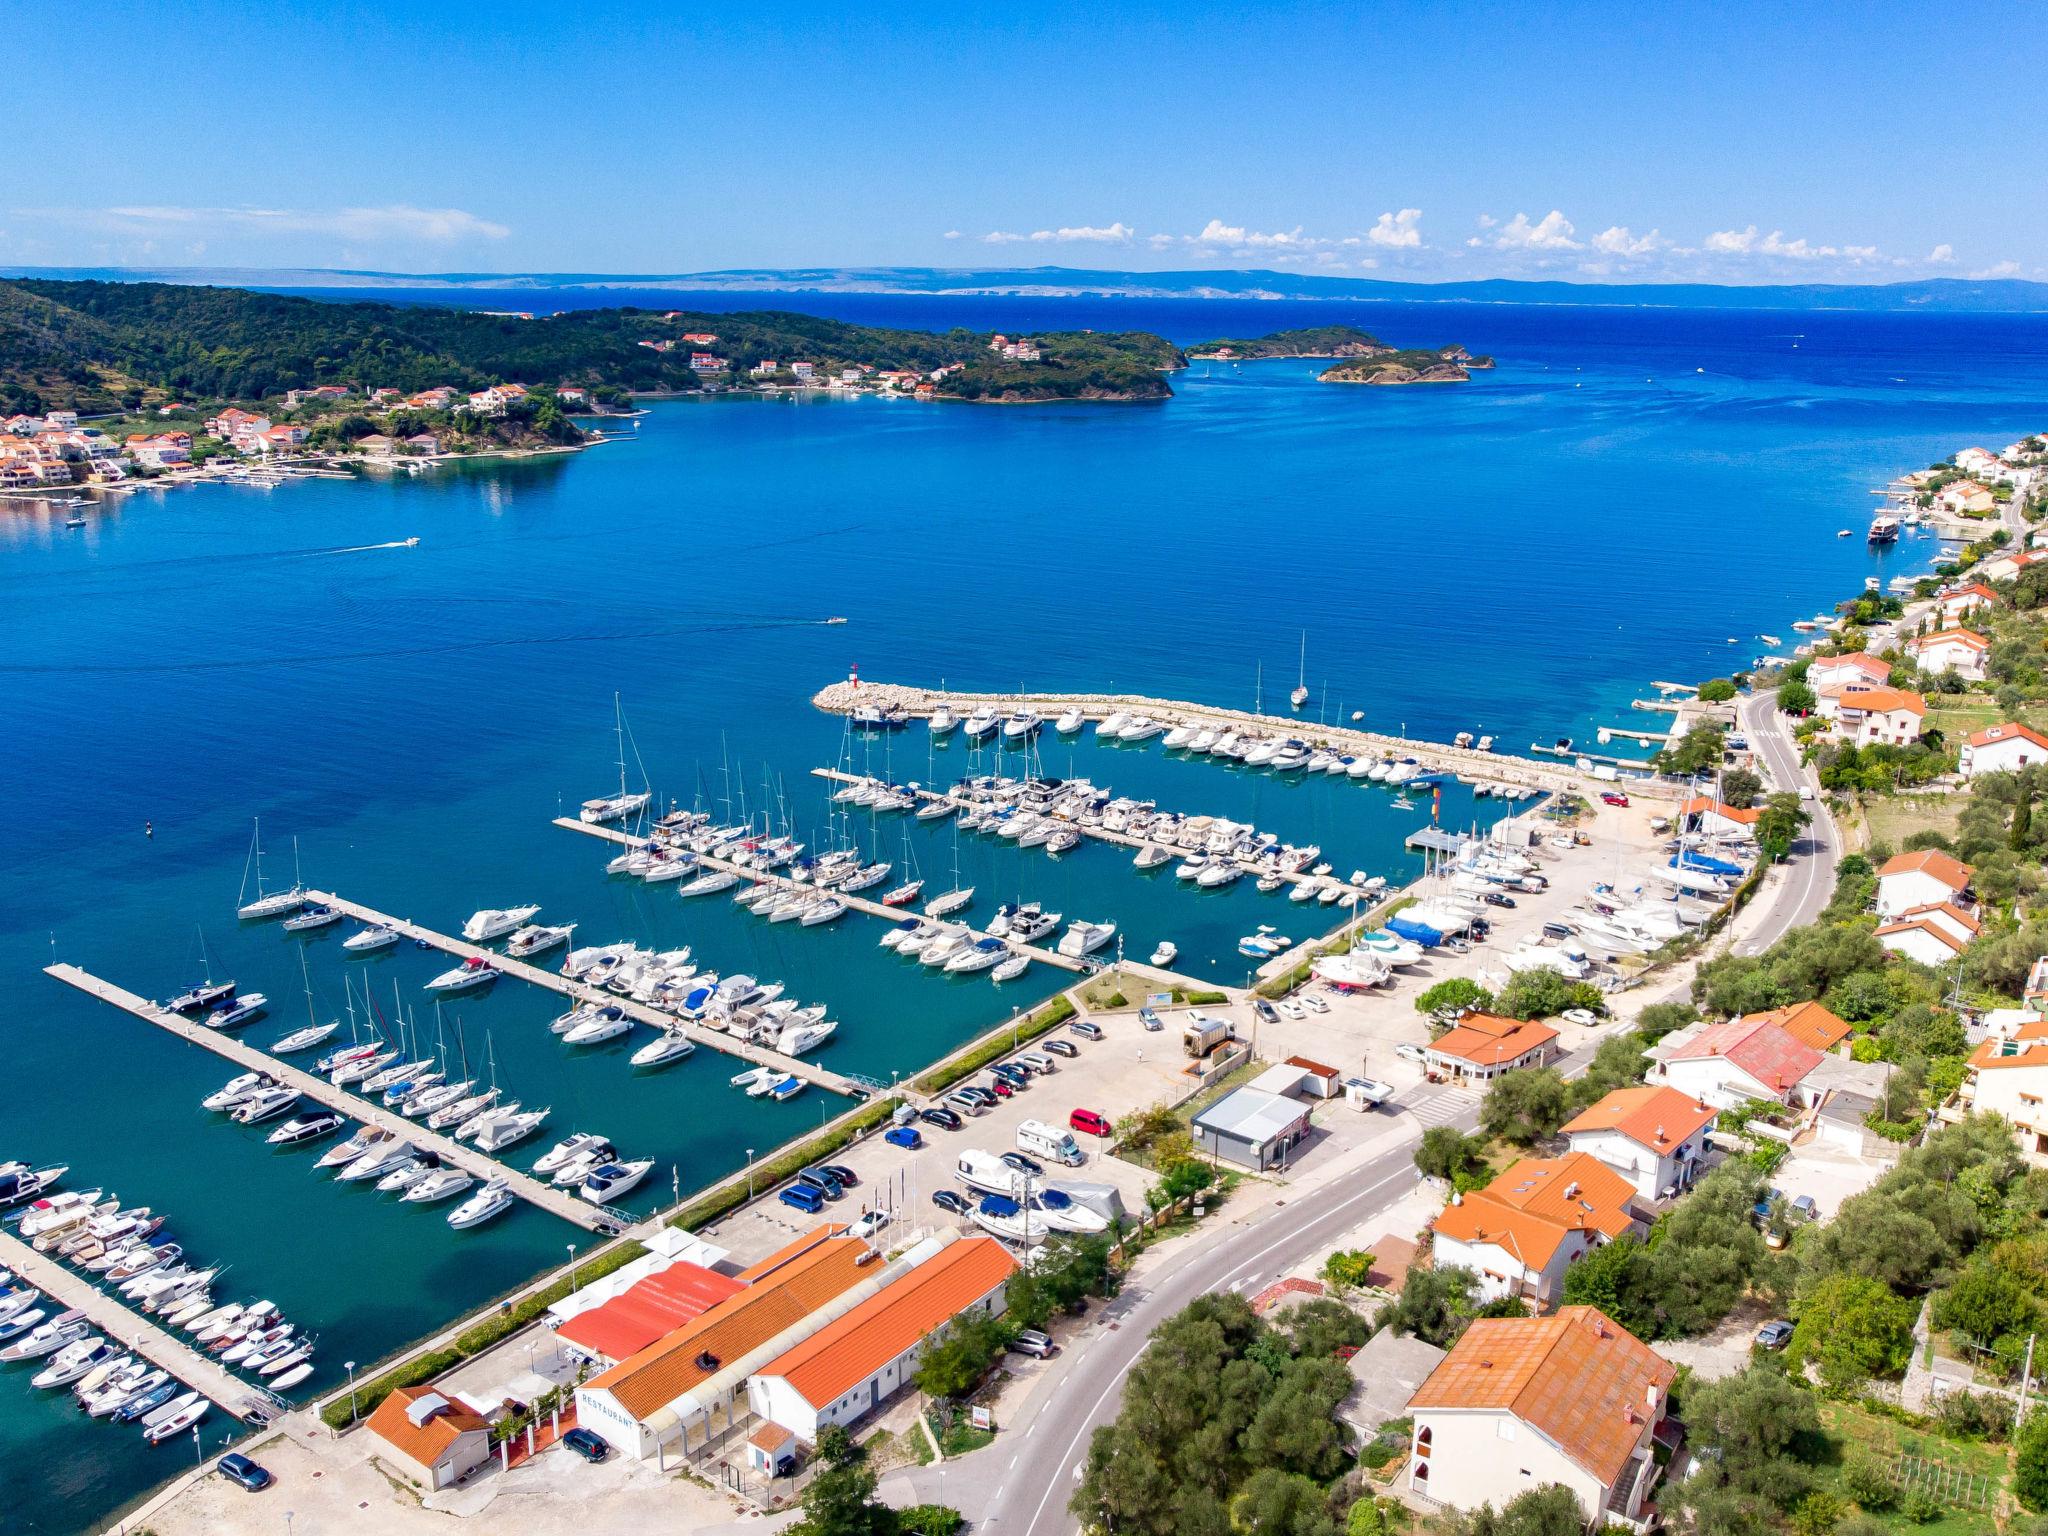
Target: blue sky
1737	143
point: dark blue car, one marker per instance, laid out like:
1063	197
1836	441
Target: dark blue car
904	1136
804	1198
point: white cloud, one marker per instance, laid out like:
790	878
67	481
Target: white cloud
1553	232
1397	229
1118	233
394	222
952	234
1619	240
1999	269
1748	242
1941	255
1216	232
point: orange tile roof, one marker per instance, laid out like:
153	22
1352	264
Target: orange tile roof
1949	941
423	1443
2009	731
1950	871
850	1349
1579	1378
1487	1040
1810	1024
1658	1117
1531	1208
1962	919
1702	803
1967	637
1884	701
649	1381
1862	661
2031	1041
1758	1046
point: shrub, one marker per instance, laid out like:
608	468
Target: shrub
929	1520
1816	1514
1920	1506
1348	1268
1868	1482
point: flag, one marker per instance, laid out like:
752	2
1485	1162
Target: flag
1436	805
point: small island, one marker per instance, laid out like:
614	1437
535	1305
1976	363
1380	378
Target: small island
1361	357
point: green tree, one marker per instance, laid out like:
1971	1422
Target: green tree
1740	788
1698	751
1614	1277
1779	824
1277	1503
1618	1063
1796	696
2030	1463
1526	1105
1757	1421
1348	1268
1542	993
1434	1305
840	1499
1717	690
1660	1019
1453	995
1365	1518
1552	1510
955	1365
1446	1152
1853	1329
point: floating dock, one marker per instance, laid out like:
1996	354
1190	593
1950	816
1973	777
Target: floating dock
857	903
128	1328
556	1202
554	981
842	698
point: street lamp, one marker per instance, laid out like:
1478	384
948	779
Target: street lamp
350	1367
750	1173
572	1268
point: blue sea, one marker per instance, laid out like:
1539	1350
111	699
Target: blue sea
1631	495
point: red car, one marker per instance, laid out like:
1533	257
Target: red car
1612	798
999	1088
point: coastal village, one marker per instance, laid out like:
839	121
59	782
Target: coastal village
1639	1153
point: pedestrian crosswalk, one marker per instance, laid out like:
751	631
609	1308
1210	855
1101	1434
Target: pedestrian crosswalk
1443	1105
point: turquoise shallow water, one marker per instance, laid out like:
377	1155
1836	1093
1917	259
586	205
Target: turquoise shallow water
1517	556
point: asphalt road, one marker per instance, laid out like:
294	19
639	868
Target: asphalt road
1814	856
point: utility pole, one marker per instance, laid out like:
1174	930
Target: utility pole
2026	1385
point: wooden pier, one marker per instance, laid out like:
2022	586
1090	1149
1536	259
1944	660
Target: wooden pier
131	1330
554	981
842	697
556	1202
857	903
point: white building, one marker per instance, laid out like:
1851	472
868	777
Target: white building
1961	651
1923	879
1870	717
1653	1136
1523	1402
1521	1232
1729	1064
1859	669
2001	749
1918	938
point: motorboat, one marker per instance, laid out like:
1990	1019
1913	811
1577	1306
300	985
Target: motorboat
509	1129
567	1150
1356	970
462	1110
437	1184
572	1173
786	1088
357	1068
1220	873
472	973
980	955
494	923
139	1260
609	808
311	918
75	1360
1179	736
1082	938
1111	726
23	1321
981	723
1010	968
1166	953
114	1394
604	1024
404	1175
1390	947
1021	724
305	1039
184	1413
610	1181
369	940
1140	728
237	1011
1191	866
902	930
492	1200
806	1035
20	1183
943	944
64	1209
1005	1218
668	1046
46	1338
377	1161
265	1104
1069	722
537	939
146	1401
1151	856
235	1091
942	720
205	995
1063	1213
304	1128
766	1082
1028	923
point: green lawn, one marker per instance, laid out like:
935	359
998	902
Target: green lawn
1894	818
1929	1459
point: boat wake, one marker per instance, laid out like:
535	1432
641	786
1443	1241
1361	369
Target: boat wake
357	549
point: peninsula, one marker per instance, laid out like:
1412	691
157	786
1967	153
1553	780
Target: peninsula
1361	357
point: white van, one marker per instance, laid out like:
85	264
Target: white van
1042	1140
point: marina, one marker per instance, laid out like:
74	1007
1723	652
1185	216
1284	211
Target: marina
454	1154
128	1328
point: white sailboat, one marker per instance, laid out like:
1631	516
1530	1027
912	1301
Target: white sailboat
608	808
1300	695
271	903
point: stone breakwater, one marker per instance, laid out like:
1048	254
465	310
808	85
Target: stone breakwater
1491	767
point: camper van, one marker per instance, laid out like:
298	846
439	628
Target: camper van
1202	1034
1042	1140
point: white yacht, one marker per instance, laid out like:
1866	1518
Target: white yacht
348	1151
941	947
611	1180
1011	968
825	910
1082	938
1220	873
668	1046
537	939
1165	954
977	956
303	1128
1063	1213
1070	722
603	1024
908	933
981	723
235	1091
437	1184
806	1035
495	923
1151	856
492	1200
312	918
943	720
567	1150
506	1129
265	1104
237	1011
472	973
1020	724
1109	727
1140	729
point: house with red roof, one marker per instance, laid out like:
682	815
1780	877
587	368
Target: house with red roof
1729	1064
1483	1045
1869	717
1957	603
1653	1136
431	1438
1521	1232
650	1307
2008	1076
1933	935
1859	669
1957	650
1520	1403
1923	878
2001	749
1712	818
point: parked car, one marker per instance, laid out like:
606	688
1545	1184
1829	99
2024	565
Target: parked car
237	1468
1023	1164
967	1103
1031	1342
1037	1062
586	1443
982	1096
1614	797
822	1182
1065	1048
803	1198
1002	1087
1495	899
1085	1029
1149	1017
1408	1050
1291	1009
951	1200
1373	1090
1093	1122
1557	930
1774	1335
869	1223
1313	1003
1585	1016
904	1136
845	1175
944	1119
1804	1208
1265	1010
1015	1076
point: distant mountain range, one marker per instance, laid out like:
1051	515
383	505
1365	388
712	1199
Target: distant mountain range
1942	295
